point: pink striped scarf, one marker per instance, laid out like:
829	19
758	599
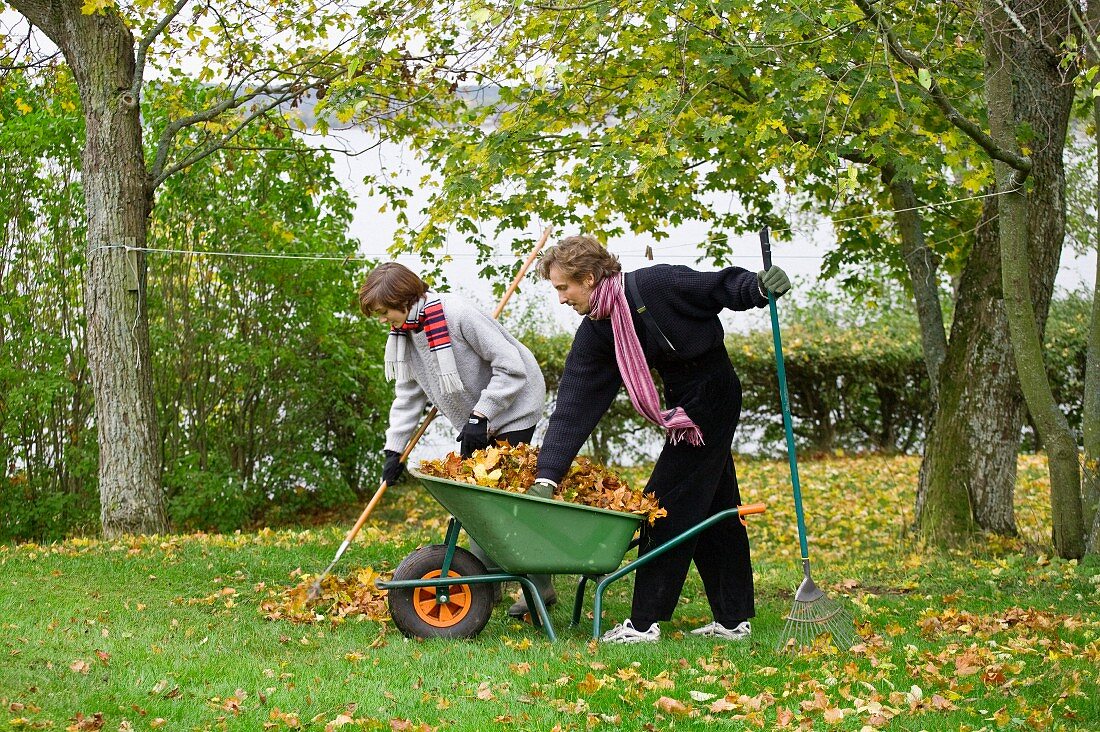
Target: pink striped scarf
609	301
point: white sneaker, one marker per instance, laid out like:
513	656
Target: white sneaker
625	632
717	630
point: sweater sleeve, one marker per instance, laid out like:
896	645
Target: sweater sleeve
509	373
408	405
588	385
732	288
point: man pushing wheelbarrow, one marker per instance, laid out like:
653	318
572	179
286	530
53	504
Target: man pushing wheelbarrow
663	317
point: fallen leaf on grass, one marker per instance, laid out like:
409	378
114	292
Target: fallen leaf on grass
670	705
86	724
590	684
404	725
340	721
290	719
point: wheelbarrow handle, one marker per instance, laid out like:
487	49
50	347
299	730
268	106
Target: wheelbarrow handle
751	508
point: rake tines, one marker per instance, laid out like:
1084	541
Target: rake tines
815	620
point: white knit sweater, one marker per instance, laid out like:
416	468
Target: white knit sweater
500	378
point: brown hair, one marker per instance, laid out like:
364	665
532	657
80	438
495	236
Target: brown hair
577	256
390	285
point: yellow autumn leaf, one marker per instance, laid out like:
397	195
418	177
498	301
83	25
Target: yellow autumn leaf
485	478
590	684
96	6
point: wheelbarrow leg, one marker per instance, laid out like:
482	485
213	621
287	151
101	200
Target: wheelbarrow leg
539	615
578	601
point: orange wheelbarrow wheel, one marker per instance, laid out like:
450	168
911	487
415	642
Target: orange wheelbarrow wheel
417	611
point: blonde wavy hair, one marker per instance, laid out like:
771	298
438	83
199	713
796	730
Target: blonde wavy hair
577	256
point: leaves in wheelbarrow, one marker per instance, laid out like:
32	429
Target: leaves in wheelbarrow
340	598
513	469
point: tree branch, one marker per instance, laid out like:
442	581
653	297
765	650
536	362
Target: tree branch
41	14
231	102
1020	163
1015	19
36	64
144	43
1086	34
212	147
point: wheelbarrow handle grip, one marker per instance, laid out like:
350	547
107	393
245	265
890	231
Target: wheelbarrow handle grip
766	248
751	508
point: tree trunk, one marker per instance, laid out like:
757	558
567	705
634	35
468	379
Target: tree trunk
1023	84
922	275
100	51
969	468
1090	411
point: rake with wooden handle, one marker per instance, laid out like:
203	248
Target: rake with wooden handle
813	614
315	588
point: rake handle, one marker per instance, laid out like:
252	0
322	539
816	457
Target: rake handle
766	253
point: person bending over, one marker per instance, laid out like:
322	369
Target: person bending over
663	317
441	350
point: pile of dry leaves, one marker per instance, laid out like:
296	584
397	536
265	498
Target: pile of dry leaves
339	598
513	469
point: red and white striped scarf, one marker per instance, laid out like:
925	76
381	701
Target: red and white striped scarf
609	301
427	315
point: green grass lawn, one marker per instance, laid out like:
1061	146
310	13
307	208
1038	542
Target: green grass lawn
168	633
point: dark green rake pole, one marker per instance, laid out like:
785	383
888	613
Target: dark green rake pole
813	613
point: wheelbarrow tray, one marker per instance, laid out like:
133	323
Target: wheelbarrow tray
530	535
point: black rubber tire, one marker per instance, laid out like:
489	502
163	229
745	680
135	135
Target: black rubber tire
464	617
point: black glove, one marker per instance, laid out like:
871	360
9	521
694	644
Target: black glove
392	470
474	436
775	280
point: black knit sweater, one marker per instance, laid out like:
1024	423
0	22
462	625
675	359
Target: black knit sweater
685	304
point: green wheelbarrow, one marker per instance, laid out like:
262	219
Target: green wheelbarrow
444	591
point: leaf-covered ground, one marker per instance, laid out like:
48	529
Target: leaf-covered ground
210	632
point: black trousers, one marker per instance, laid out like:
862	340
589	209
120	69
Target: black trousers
693	483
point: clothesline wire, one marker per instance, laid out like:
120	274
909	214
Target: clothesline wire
373	257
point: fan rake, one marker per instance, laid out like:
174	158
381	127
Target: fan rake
815	619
